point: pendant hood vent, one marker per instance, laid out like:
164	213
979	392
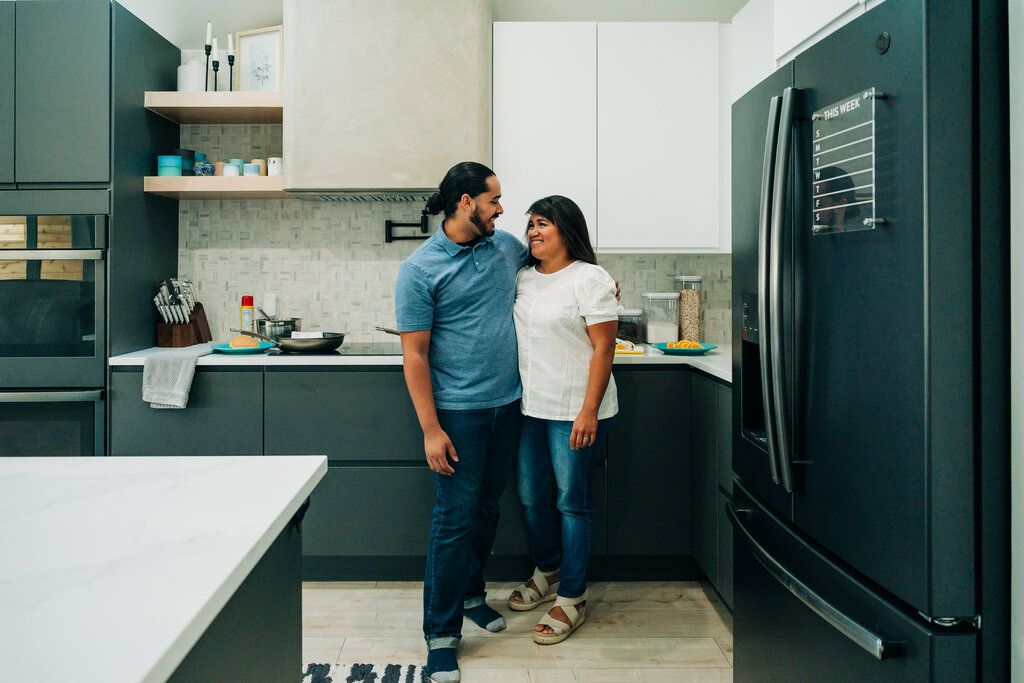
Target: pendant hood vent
381	98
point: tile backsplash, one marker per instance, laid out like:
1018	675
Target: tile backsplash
328	262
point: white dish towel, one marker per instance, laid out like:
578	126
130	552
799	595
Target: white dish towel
167	375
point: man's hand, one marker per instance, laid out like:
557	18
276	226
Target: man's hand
439	448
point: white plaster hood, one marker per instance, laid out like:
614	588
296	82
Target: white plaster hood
382	97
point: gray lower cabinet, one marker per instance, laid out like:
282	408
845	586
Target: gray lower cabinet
704	486
6	92
724	493
711	443
62	134
224	415
648	466
346	414
370	511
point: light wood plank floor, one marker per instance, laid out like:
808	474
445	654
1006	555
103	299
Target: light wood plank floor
645	631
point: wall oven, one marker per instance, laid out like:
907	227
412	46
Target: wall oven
53	288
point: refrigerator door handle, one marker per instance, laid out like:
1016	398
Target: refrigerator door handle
778	370
859	634
764	215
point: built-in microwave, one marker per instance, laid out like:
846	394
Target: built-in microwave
53	288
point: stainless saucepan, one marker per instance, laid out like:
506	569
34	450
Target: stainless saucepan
329	342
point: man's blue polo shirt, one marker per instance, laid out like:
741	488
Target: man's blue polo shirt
464	296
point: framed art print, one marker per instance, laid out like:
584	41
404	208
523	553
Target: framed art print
260	53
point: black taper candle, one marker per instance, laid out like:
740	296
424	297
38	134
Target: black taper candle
215	65
206	74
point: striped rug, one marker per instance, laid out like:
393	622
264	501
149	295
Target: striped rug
364	673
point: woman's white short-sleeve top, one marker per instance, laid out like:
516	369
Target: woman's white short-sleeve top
552	312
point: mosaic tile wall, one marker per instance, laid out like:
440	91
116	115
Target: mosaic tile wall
329	265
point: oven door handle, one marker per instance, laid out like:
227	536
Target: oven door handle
89	396
51	254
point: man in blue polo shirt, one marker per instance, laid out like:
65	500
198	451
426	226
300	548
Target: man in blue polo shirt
454	299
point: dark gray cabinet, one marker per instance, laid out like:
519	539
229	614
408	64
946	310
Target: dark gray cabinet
724	585
345	414
704	486
62	98
6	92
711	444
370	511
649	464
224	415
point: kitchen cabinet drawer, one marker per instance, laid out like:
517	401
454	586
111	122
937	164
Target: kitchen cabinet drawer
344	414
512	537
62	134
370	511
224	416
649	464
6	92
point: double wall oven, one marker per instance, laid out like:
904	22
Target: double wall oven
53	331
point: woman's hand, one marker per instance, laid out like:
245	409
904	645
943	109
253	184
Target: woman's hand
584	429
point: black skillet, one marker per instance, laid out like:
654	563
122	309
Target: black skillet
329	342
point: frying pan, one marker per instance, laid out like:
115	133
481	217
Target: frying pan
330	341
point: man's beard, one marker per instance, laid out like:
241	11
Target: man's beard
484	230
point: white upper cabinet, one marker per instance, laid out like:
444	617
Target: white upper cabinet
799	23
545	90
657	136
623	118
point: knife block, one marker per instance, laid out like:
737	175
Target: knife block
175	335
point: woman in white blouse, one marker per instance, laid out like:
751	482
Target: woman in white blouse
566	316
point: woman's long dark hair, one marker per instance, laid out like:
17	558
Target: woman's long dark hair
571	225
467	177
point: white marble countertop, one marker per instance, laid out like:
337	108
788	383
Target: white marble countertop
717	362
114	567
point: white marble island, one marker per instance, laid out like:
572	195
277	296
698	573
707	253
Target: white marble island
115	569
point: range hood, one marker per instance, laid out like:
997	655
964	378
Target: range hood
382	97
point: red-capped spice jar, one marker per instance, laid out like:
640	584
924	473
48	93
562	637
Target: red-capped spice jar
247	311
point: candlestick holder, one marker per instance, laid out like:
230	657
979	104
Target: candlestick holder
216	64
231	73
206	74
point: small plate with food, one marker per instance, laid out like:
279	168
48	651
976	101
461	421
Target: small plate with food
243	344
684	347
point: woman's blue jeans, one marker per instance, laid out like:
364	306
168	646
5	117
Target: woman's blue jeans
466	515
556	489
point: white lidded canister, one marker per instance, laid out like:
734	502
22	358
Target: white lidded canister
661	317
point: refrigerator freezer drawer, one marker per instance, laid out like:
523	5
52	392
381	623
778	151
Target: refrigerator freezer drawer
800	617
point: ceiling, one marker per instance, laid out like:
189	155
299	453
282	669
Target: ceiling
183	22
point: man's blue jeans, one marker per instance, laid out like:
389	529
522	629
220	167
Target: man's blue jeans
556	489
466	514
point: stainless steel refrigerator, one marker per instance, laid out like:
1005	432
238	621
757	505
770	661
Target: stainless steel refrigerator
871	381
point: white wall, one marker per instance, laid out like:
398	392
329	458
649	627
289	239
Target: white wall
1016	23
752	55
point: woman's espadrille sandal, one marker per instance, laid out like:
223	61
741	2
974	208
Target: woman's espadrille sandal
531	597
562	630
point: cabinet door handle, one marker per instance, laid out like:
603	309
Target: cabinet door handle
51	396
51	254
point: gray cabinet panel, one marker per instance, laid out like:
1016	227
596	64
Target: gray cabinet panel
62	107
704	487
6	92
724	584
224	416
345	415
725	437
512	538
649	464
377	511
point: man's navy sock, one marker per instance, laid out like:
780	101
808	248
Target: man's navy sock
482	615
442	665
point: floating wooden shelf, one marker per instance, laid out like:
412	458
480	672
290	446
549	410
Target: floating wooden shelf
217	107
216	187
